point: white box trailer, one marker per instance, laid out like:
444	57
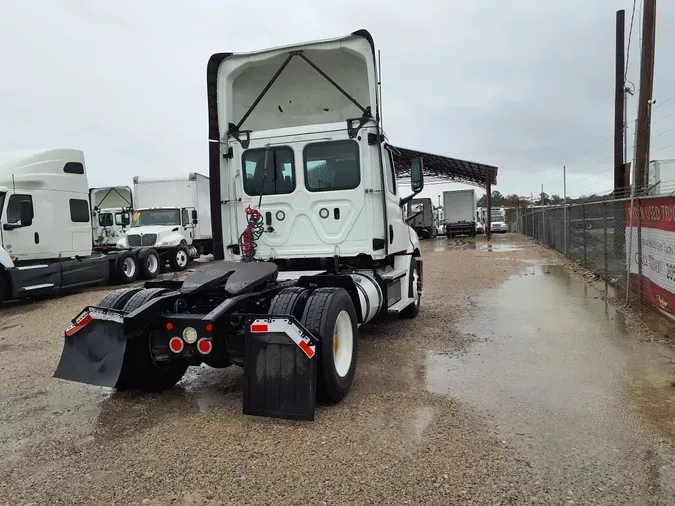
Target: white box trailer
162	204
459	208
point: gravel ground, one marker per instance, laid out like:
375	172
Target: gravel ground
390	441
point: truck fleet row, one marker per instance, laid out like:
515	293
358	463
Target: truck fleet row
57	234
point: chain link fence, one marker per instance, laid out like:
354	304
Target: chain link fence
594	234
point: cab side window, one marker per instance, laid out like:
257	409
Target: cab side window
186	218
390	169
14	207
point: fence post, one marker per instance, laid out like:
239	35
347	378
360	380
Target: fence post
639	247
583	226
604	208
543	225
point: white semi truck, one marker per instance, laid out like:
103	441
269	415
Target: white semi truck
46	229
172	215
308	217
111	209
459	209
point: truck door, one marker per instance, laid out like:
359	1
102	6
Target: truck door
398	238
312	199
186	222
22	242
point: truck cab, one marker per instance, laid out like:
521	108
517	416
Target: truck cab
161	227
306	176
45	228
111	210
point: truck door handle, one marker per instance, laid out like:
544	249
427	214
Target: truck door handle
268	218
37	238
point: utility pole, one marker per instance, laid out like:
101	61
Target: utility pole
646	88
542	194
619	104
564	210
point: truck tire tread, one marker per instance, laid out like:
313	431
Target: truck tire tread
319	317
290	301
117	299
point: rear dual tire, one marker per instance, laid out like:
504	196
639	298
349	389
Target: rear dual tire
329	314
135	264
139	371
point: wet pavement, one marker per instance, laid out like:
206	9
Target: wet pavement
588	405
517	384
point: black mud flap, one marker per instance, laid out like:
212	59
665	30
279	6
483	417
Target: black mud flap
94	348
279	368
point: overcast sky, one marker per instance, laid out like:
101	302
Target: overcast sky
526	85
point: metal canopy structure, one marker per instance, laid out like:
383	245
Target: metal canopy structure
443	168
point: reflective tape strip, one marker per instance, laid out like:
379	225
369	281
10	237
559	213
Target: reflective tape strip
283	326
88	315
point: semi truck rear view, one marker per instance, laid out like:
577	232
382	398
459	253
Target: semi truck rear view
459	209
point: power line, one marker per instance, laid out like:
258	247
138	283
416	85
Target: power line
630	34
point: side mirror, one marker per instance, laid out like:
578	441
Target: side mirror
417	175
125	220
195	221
194	215
416	180
26	213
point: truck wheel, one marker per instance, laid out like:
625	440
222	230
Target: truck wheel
330	316
414	284
179	258
4	288
148	263
117	299
126	269
139	371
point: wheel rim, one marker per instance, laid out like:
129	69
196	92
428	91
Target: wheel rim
416	286
129	267
343	344
152	263
181	258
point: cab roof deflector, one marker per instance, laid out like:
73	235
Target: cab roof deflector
243	136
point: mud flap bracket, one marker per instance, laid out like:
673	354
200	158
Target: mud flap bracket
279	368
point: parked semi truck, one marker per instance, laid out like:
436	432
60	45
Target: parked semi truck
420	216
172	215
459	209
46	229
308	218
111	209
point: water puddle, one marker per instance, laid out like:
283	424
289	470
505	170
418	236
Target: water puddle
559	372
498	247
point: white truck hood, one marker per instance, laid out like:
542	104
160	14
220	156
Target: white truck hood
300	95
153	229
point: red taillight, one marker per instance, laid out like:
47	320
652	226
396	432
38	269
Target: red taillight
204	346
209	327
176	344
259	327
169	326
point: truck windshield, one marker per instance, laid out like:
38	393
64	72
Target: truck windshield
496	218
156	217
2	202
